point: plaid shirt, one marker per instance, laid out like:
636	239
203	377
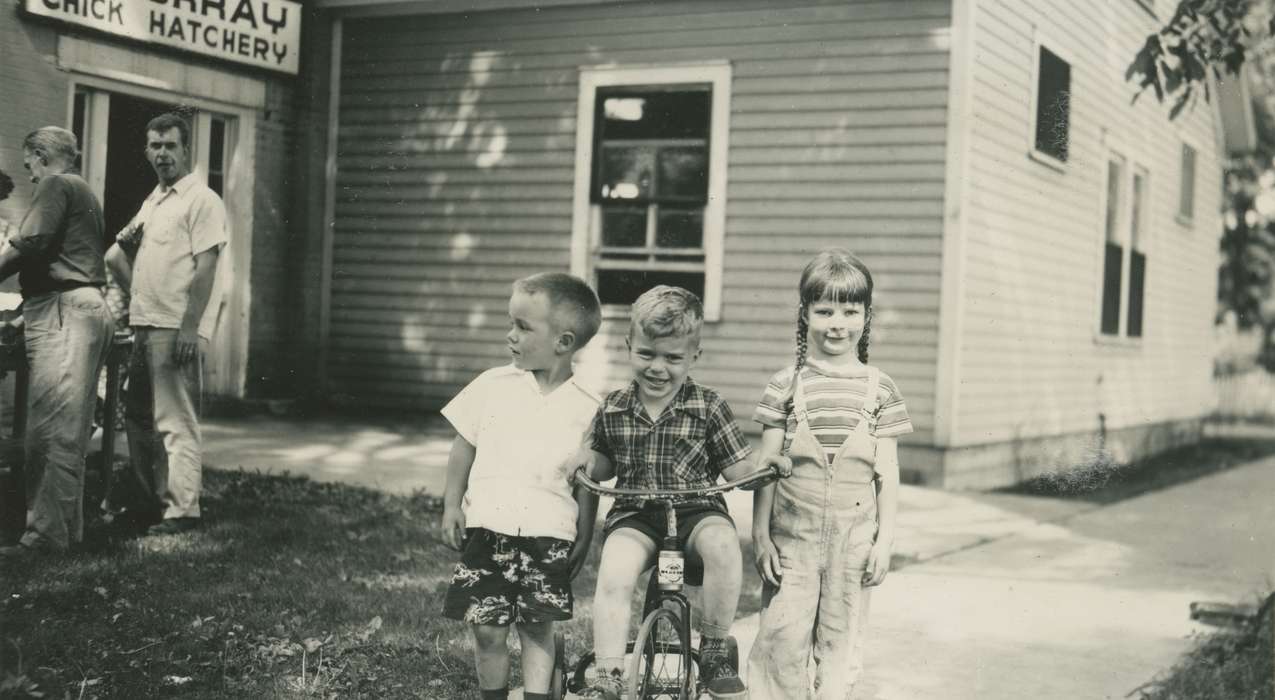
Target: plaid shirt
693	440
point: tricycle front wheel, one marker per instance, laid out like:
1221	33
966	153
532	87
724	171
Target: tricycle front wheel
660	665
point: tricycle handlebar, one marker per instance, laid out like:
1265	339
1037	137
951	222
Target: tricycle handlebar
583	479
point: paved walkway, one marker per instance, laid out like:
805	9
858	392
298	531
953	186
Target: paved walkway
1009	596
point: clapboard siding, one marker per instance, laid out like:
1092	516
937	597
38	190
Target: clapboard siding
455	170
1034	236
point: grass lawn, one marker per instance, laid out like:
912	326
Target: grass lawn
296	589
292	589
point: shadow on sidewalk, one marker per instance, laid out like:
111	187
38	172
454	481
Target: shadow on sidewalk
1103	482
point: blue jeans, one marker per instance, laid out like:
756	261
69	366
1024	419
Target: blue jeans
67	336
161	414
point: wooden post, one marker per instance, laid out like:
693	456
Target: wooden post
21	390
1270	610
109	411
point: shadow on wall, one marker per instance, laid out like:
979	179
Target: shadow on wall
448	188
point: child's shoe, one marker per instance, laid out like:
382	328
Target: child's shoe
605	686
718	673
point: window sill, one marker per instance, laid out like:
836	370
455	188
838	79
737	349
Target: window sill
1184	220
1117	341
1047	160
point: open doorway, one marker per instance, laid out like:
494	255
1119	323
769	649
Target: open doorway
111	124
129	177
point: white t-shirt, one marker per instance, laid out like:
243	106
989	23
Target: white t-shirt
179	223
525	444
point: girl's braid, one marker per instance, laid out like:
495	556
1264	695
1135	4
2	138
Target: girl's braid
863	340
802	329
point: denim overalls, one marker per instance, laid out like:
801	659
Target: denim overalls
823	522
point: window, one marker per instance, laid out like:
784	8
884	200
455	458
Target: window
1124	260
1137	253
1052	121
1113	255
1186	191
651	164
217	155
79	120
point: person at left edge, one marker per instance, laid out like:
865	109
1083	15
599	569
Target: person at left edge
58	257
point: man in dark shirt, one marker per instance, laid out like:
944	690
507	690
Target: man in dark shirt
58	255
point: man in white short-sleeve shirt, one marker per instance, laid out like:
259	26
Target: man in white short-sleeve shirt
171	276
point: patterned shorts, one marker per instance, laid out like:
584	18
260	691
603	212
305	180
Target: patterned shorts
505	579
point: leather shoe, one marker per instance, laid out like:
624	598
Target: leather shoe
173	526
17	552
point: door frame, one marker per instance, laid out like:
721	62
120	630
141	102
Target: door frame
227	362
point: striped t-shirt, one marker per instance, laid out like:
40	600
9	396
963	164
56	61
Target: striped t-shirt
834	401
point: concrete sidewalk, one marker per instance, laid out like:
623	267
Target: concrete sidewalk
403	457
1003	596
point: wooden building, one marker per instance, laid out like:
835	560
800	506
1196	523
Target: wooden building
104	69
1044	249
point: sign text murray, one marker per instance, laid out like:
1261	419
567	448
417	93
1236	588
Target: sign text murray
263	33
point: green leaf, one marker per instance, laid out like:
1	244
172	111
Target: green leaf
1139	64
1195	69
1180	104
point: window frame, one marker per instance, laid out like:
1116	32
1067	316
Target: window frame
1139	243
1129	242
1034	153
1187	219
586	215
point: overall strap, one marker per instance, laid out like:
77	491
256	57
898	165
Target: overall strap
798	395
871	400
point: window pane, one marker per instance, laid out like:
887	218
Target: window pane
1136	203
654	113
79	114
1186	202
217	145
651	154
623	226
680	228
1053	87
684	173
626	172
624	286
1137	279
1114	169
1111	271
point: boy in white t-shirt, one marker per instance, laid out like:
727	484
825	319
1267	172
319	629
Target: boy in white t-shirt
508	505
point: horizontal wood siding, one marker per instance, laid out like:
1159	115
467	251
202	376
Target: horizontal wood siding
1032	364
456	163
28	68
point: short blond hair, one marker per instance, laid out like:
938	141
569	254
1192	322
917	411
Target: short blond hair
666	312
573	305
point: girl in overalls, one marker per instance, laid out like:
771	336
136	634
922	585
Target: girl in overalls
825	534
